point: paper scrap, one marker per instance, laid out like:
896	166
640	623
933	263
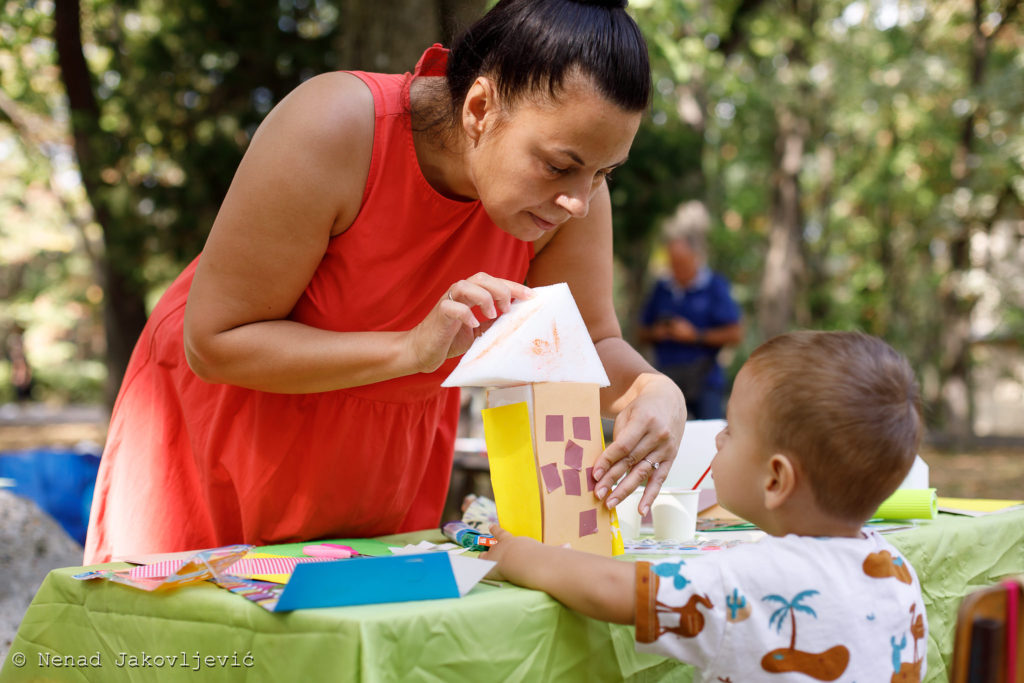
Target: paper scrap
426	547
549	473
573	455
581	428
572	482
588	522
201	566
553	428
976	507
468	571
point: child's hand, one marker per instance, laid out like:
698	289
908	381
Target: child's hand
504	552
599	587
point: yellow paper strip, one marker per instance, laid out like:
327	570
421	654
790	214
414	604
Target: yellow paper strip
618	546
909	504
513	469
978	504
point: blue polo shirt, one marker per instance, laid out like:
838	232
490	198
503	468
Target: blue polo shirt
706	303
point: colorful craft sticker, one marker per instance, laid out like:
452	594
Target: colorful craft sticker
550	475
588	522
581	428
204	565
248	567
573	455
572	482
553	428
263	593
591	482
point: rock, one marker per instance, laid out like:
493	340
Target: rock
31	544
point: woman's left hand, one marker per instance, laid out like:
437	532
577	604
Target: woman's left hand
644	444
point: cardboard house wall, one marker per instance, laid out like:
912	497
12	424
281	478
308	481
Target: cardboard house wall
542	441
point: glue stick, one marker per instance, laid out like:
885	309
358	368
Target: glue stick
467	536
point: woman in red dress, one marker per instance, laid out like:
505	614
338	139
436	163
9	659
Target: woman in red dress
287	385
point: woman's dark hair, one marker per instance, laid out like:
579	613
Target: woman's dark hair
527	45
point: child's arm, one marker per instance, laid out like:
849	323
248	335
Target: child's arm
599	587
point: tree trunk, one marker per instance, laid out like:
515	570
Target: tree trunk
390	35
124	309
957	403
784	262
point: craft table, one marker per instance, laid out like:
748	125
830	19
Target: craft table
113	632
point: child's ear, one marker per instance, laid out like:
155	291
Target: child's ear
781	481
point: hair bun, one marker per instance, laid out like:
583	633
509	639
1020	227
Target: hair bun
610	4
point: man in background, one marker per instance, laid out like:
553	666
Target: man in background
690	315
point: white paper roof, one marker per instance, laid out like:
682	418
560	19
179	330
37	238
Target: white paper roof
540	339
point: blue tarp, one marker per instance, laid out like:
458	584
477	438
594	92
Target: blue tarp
59	481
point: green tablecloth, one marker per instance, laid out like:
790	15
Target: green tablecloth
492	634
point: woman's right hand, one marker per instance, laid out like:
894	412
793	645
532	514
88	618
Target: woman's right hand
450	328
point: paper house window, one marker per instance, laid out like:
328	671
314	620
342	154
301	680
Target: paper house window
542	423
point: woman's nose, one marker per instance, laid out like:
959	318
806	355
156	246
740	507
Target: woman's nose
576	200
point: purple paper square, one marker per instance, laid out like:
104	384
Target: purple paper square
573	455
581	428
588	523
572	482
553	430
550	475
591	482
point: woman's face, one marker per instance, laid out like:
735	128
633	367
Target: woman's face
541	163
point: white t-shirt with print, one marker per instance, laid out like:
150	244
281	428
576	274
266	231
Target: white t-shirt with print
796	608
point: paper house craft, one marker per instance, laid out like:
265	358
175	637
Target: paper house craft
542	423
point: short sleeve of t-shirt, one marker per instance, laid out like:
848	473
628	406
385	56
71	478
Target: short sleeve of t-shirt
675	597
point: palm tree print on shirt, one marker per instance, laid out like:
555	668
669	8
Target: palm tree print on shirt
823	666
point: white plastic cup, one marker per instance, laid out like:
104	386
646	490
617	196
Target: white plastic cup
675	514
629	516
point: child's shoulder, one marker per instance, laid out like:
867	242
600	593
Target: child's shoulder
785	551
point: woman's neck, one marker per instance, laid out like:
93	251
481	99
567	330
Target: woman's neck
439	145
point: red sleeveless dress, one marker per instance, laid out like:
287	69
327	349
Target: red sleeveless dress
189	464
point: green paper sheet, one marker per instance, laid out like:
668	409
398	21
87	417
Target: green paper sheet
363	546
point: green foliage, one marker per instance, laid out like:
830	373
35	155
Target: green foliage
883	92
182	87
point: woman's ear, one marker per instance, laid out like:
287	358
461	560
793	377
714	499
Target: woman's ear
480	108
781	482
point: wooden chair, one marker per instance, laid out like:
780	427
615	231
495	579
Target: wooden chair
989	643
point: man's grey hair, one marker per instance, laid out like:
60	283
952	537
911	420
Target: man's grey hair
690	223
